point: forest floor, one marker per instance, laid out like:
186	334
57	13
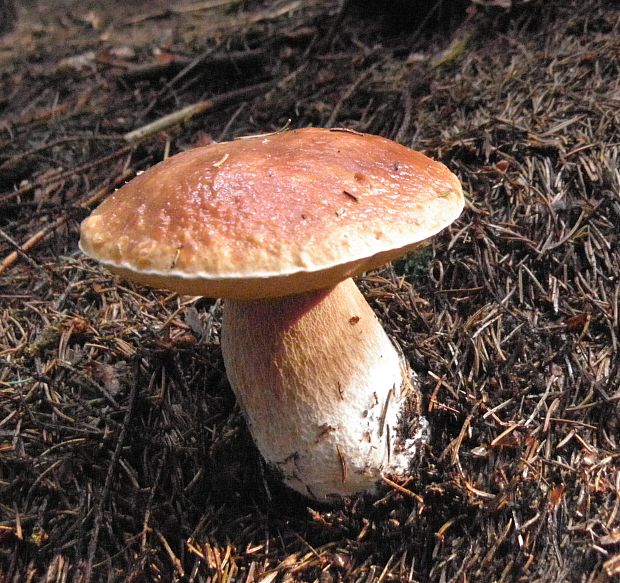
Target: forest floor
123	455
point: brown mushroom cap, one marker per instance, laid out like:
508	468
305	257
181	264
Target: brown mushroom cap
272	215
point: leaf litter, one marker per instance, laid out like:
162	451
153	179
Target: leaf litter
123	456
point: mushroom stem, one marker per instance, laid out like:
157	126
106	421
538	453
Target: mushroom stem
322	387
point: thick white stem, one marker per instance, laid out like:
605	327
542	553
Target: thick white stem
321	387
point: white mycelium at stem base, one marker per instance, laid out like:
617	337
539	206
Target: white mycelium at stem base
321	387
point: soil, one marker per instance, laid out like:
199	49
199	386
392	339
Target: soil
123	455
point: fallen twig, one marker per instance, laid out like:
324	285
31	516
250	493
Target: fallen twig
92	545
43	233
232	59
30	186
402	489
12	257
193	110
193	7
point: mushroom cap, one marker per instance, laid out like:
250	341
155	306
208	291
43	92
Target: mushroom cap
272	215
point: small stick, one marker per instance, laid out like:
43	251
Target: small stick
407	115
230	59
149	503
11	258
6	196
175	561
8	164
343	465
231	121
94	539
193	7
402	489
102	191
349	92
190	111
182	73
40	235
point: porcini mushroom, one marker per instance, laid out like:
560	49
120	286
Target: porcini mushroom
277	225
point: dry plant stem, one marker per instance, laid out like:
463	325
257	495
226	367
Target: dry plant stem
321	386
186	113
43	233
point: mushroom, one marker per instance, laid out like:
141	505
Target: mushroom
277	225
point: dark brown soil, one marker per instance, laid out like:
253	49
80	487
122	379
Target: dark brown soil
123	456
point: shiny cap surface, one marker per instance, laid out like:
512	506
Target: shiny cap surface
272	215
